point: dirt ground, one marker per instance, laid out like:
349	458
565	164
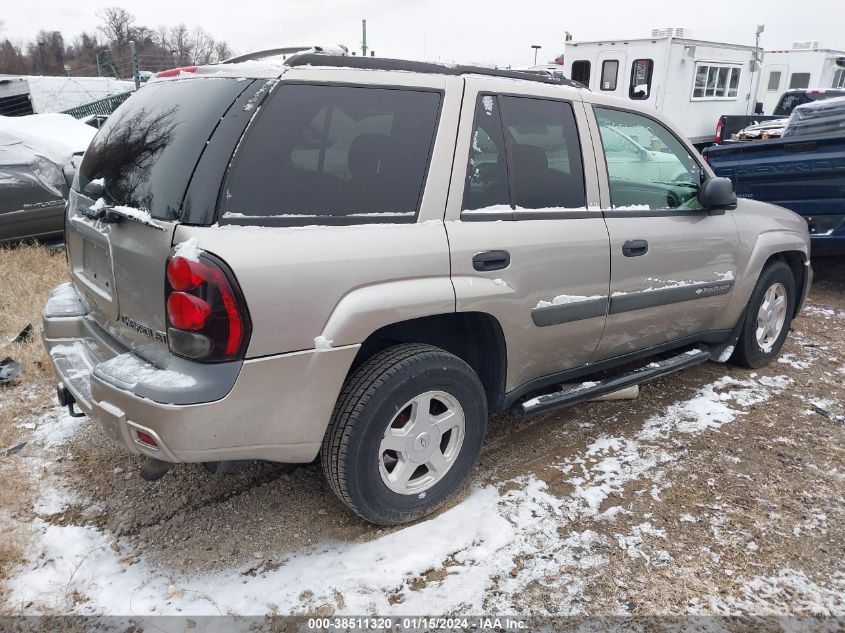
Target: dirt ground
744	514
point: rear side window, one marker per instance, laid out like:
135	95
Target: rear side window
640	86
545	157
609	72
147	150
581	71
334	155
524	154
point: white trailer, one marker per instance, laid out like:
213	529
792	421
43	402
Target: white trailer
806	65
692	82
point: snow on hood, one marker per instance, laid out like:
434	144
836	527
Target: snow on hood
54	136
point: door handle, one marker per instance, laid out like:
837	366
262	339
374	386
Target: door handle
634	248
491	260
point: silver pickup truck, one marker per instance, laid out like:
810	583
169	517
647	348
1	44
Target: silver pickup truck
361	259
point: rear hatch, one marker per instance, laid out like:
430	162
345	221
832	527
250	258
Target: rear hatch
127	201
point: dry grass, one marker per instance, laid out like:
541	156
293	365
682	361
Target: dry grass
27	274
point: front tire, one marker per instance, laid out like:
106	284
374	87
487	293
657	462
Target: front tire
406	429
767	318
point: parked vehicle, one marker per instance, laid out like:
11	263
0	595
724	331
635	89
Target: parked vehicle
38	159
687	80
21	95
803	171
806	64
742	127
361	258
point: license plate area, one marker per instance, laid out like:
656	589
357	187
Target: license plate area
96	266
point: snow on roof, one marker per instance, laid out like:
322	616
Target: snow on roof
55	94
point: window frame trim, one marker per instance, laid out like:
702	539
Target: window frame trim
645	213
339	220
589	71
474	215
709	65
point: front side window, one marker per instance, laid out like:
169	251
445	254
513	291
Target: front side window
581	71
716	82
640	86
334	155
648	167
799	81
609	72
524	154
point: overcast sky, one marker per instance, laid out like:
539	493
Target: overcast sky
488	31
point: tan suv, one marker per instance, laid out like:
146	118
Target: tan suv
361	259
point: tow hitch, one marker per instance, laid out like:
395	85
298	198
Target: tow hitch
66	399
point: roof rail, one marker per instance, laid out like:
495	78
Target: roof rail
270	52
381	63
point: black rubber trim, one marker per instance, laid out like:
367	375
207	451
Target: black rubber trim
471	215
666	296
568	312
656	213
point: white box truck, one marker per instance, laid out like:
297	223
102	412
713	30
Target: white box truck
692	82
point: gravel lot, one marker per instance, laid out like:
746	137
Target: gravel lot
717	491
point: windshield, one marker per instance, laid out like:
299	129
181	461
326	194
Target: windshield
147	150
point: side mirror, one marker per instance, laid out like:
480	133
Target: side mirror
717	193
94	190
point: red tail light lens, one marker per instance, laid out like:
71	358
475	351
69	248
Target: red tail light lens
187	312
719	125
207	318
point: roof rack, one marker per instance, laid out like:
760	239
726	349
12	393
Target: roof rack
381	63
270	52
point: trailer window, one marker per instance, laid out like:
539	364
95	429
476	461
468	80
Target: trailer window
716	81
641	71
774	81
799	81
838	79
609	72
581	72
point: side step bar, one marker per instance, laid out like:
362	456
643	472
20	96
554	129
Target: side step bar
589	390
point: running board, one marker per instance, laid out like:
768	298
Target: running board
589	390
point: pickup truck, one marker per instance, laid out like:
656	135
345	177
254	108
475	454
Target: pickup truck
800	171
730	124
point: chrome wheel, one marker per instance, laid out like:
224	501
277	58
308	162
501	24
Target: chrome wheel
771	316
421	443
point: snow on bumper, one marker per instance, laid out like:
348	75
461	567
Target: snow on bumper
274	408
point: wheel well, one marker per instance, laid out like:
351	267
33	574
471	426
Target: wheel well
795	260
474	337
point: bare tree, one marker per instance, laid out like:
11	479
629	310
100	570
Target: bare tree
117	26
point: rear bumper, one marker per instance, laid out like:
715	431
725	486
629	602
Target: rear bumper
277	408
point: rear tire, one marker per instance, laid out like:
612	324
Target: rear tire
405	431
767	318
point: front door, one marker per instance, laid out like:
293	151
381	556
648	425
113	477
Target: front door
672	264
528	249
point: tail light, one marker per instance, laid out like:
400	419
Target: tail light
207	319
175	72
719	125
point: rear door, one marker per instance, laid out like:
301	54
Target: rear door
142	159
528	248
774	83
672	264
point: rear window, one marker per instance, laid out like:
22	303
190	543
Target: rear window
147	150
334	155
